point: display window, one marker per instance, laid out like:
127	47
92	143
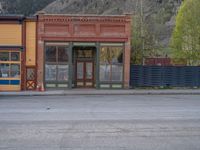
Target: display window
56	65
10	65
111	64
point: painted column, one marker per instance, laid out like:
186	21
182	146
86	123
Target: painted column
40	56
127	53
97	65
70	55
23	57
127	65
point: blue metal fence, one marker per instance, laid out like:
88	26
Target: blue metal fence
166	76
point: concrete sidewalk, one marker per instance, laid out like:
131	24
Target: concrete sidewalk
104	92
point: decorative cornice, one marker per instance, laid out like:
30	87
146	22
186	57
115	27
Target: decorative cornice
67	19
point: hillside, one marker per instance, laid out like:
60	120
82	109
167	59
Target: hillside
109	6
26	7
159	15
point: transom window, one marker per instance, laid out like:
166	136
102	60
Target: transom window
84	53
10	64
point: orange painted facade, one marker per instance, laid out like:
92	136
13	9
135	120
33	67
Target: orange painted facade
17	51
11	34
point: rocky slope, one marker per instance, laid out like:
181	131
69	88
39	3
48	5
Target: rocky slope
107	6
159	14
26	7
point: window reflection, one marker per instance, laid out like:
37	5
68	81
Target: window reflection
105	71
89	70
15	56
63	72
111	63
62	54
15	71
117	72
4	56
5	71
50	72
50	54
111	55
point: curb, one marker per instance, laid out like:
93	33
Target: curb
107	92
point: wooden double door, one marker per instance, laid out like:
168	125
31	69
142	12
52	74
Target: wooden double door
85	74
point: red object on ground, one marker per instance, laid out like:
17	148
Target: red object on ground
158	62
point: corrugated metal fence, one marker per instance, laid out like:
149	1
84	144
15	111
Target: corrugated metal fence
166	76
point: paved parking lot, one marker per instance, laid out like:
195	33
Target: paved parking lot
100	122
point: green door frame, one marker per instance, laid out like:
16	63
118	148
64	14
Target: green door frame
71	69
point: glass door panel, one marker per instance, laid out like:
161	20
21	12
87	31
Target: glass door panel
80	70
89	70
84	75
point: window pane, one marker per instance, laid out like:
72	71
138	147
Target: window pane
62	54
15	56
4	56
50	54
117	54
50	72
4	70
63	73
105	72
117	72
104	55
111	54
15	71
89	70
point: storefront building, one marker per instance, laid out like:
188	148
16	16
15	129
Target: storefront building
64	52
17	52
83	51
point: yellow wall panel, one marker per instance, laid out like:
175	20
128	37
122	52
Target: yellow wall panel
11	34
30	43
9	88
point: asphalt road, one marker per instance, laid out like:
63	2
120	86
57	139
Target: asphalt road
100	123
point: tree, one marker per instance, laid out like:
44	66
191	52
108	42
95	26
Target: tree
136	42
185	41
149	30
144	41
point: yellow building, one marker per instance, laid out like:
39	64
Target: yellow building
17	53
